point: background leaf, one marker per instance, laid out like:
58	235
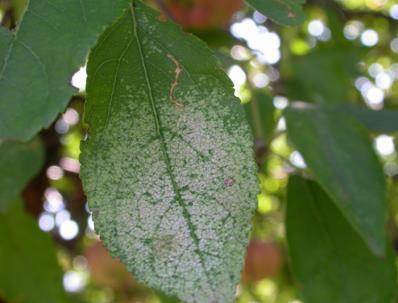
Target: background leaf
379	121
29	272
339	153
286	12
168	166
19	162
38	60
330	261
324	76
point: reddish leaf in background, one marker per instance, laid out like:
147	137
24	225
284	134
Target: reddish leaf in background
202	14
263	260
106	271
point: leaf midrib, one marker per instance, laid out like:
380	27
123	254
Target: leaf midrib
186	215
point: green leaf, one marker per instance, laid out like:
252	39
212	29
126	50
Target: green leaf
38	60
168	166
324	76
379	121
29	272
19	162
286	12
338	151
329	260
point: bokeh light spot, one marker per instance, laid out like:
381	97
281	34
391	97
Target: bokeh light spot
68	230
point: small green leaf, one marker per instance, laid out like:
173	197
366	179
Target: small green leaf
38	60
286	12
329	260
19	162
168	167
338	151
29	272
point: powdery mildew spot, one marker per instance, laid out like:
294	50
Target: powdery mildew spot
172	188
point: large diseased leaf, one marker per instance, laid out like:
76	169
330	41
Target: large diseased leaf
38	60
286	12
338	151
329	260
19	162
29	272
168	167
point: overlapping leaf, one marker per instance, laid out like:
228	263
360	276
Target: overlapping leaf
38	60
330	261
338	151
168	166
19	162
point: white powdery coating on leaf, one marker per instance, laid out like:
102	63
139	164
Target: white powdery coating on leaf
168	166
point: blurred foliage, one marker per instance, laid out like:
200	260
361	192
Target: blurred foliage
346	51
29	270
27	160
323	245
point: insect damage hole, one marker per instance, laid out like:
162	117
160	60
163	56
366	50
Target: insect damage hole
174	84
